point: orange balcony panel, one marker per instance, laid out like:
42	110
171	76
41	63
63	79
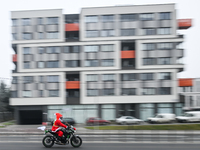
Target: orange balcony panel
73	85
15	58
128	54
186	82
184	23
72	27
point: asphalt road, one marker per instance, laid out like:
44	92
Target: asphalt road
101	146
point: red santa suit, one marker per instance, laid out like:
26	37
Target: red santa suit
57	124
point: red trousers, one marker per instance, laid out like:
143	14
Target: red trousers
60	133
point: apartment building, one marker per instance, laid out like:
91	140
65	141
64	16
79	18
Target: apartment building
104	62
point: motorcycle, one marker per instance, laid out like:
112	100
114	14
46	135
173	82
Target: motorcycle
51	138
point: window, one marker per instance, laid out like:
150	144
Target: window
41	79
72	93
72	63
52	64
26	64
179	60
41	50
128	17
129	77
53	93
91	19
27	94
128	91
40	64
92	77
107	62
164	76
163	31
107	48
14	80
52	35
52	79
40	35
164	61
128	63
165	90
92	33
71	49
91	63
107	33
14	22
26	50
26	21
149	31
149	91
147	76
107	18
108	92
92	92
26	36
108	77
52	20
149	46
145	17
165	46
149	61
40	21
27	79
14	94
165	16
53	50
91	48
40	93
14	36
127	32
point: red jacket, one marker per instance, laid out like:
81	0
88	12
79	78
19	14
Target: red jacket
57	123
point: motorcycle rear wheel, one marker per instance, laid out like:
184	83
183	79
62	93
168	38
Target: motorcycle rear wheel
76	142
48	141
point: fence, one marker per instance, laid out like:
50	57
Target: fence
5	116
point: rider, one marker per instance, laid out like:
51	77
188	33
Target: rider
57	126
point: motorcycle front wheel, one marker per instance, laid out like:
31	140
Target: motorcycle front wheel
76	142
48	141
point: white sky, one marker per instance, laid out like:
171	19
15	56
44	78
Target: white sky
185	9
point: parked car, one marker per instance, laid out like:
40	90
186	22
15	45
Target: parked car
190	116
96	121
128	120
162	118
70	121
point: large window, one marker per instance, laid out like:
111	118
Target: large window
14	36
148	16
107	62
40	93
91	63
26	36
40	21
26	64
52	20
92	77
147	76
72	63
53	93
149	91
40	35
92	92
128	91
149	46
91	48
149	31
149	61
165	90
27	93
53	79
107	48
52	35
52	64
107	18
41	79
108	77
127	32
165	16
128	17
107	33
91	19
128	63
92	33
164	61
26	21
26	50
73	93
27	79
41	50
40	64
53	50
129	77
14	94
165	46
71	49
163	31
14	80
108	92
164	76
14	22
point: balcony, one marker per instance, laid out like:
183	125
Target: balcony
72	84
72	27
127	54
184	23
186	82
14	57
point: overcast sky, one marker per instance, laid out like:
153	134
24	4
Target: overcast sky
185	9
